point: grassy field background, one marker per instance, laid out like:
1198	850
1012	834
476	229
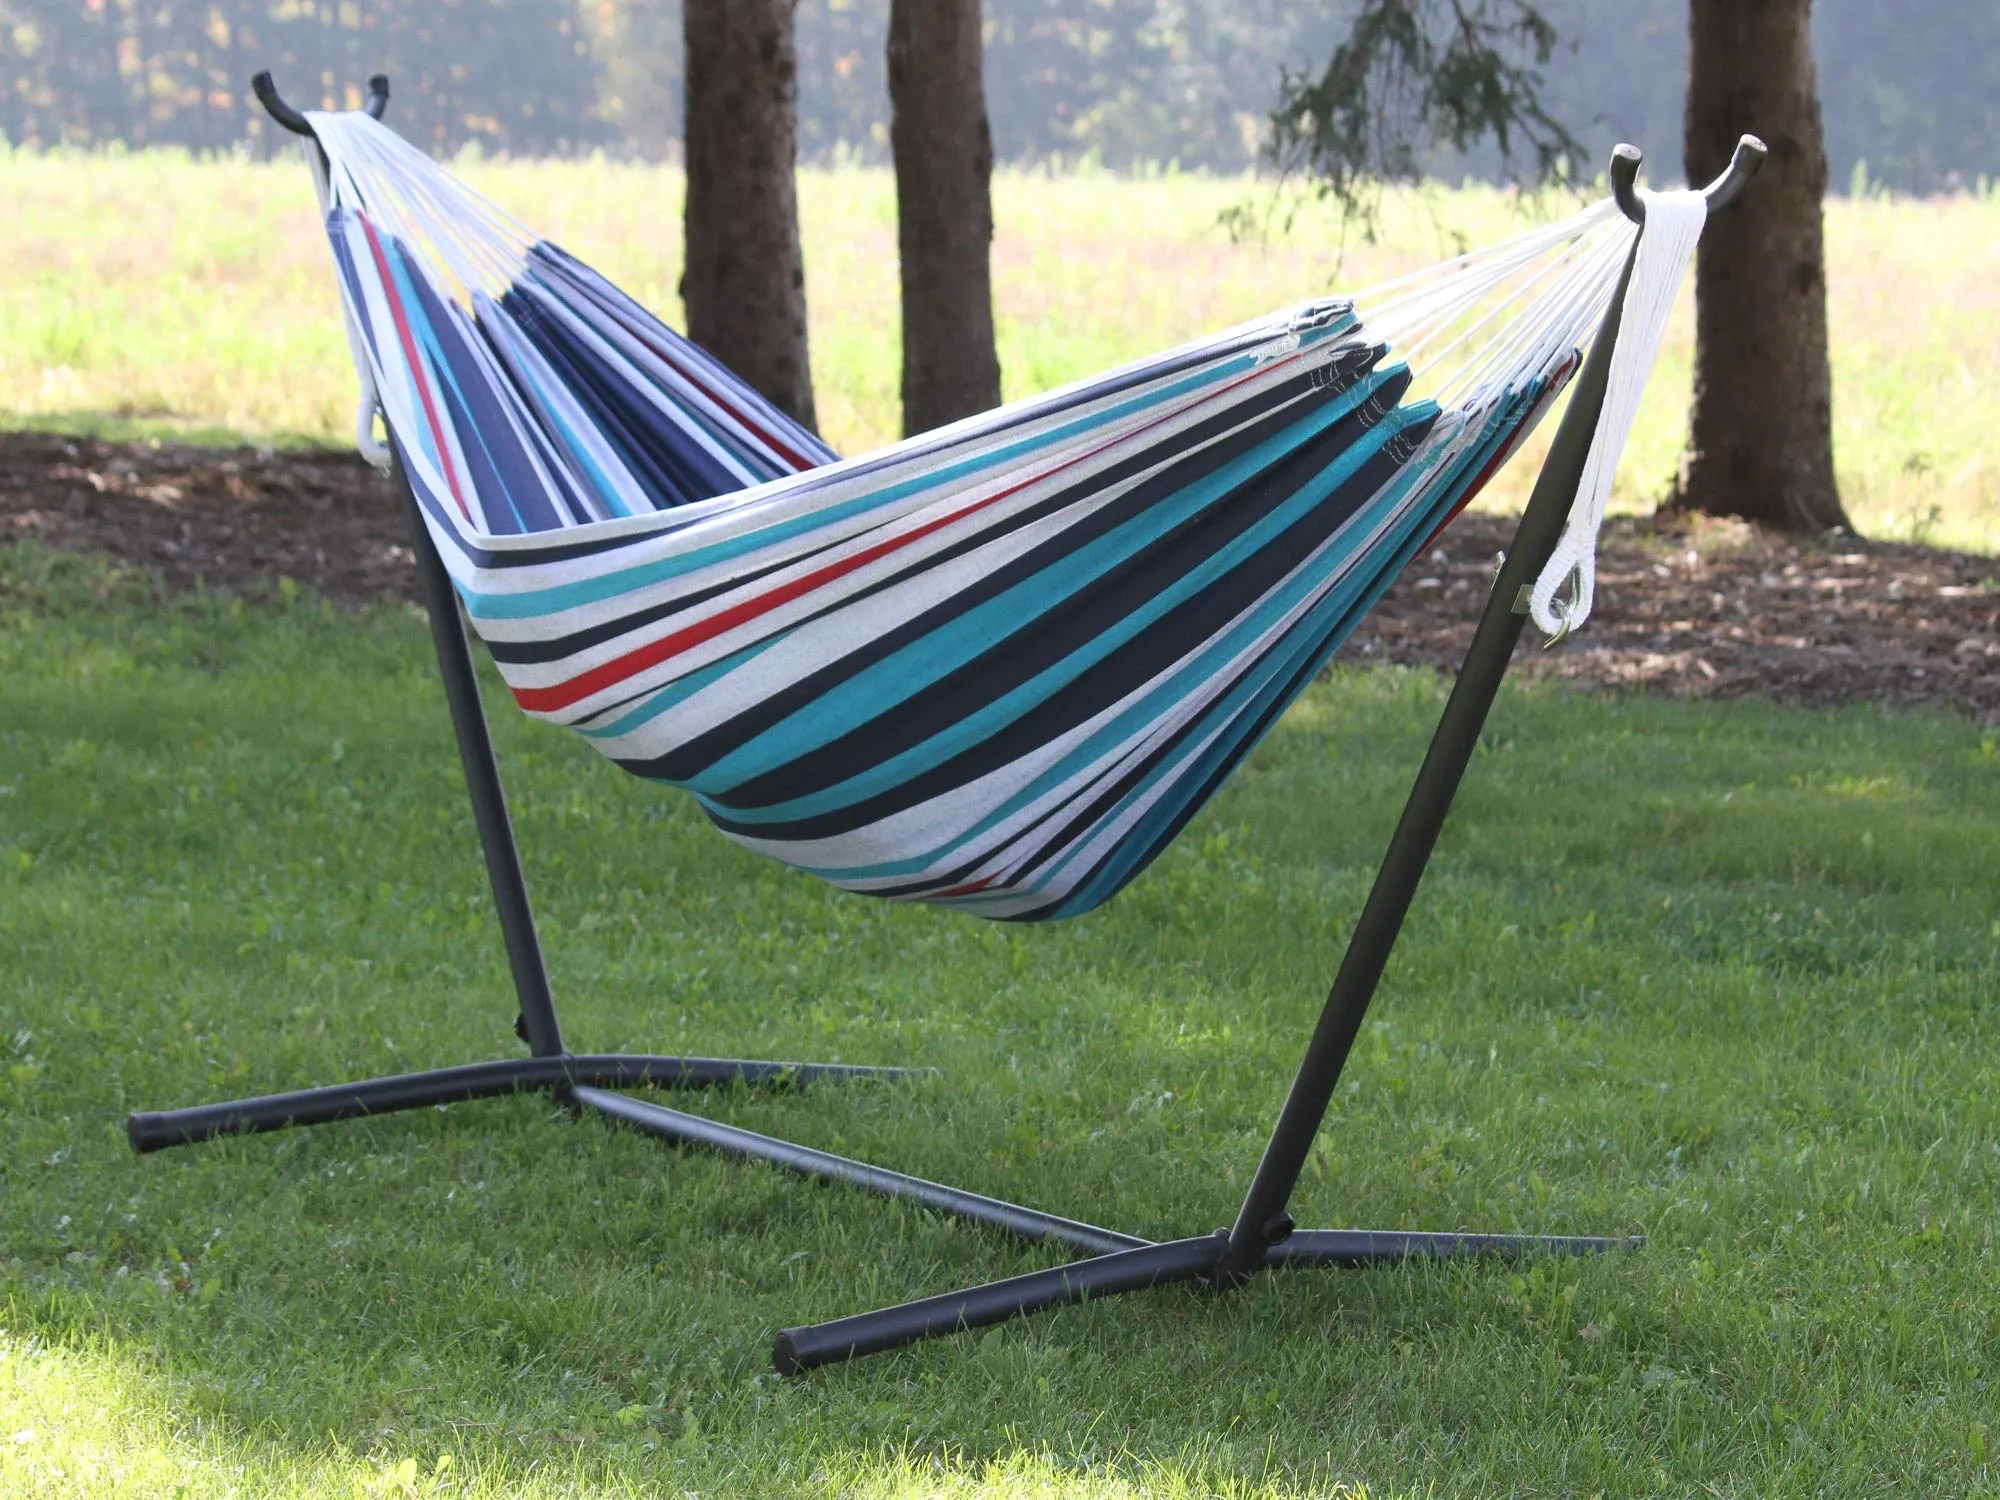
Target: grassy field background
154	294
1722	974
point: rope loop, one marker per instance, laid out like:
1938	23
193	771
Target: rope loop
1674	223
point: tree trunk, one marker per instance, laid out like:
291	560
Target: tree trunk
944	211
745	282
1760	441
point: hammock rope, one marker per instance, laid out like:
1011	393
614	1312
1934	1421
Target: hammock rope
1674	223
996	666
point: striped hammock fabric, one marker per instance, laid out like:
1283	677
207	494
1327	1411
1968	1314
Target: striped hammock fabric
995	667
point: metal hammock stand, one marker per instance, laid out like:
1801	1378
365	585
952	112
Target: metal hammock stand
1263	1236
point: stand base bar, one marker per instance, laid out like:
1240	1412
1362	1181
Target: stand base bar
798	1349
152	1130
1355	1248
804	1348
732	1140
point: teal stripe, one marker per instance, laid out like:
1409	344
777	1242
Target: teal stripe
413	314
534	603
1345	548
1188	770
1136	716
679	691
915	668
1330	623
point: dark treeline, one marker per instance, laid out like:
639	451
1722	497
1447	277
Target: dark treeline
1912	91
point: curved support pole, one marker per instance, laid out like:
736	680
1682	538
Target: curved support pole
1743	164
274	105
1625	181
267	95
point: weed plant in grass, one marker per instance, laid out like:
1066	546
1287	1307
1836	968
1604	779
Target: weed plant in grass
156	294
1721	974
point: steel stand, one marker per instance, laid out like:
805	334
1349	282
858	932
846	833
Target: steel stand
1262	1238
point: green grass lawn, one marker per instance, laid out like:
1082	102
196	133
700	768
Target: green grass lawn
1722	974
152	294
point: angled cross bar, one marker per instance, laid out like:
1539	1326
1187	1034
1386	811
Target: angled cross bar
562	1074
1197	1261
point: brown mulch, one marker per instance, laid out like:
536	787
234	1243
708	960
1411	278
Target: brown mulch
1707	609
1718	609
236	519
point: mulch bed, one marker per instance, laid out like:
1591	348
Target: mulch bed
1698	609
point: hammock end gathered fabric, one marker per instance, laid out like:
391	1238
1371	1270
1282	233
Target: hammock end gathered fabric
1557	618
372	449
1673	223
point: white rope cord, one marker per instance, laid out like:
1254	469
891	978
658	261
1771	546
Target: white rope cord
369	402
1450	295
1570	300
1673	225
431	212
1520	249
1479	326
1411	321
1549	332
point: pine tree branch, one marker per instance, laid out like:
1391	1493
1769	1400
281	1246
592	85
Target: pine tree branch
1414	76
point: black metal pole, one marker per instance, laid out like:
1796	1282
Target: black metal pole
814	1344
1262	1221
804	1348
539	1026
151	1130
732	1140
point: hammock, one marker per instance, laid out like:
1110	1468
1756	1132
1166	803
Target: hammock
995	667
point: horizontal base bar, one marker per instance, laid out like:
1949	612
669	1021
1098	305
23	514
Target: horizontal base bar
1118	1262
152	1130
804	1348
732	1140
1371	1247
584	1080
799	1349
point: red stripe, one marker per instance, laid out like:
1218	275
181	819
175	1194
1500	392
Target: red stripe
972	888
415	362
750	424
611	673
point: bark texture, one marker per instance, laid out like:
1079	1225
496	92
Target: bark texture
944	210
1760	441
745	282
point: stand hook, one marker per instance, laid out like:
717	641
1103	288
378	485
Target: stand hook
274	104
1749	156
